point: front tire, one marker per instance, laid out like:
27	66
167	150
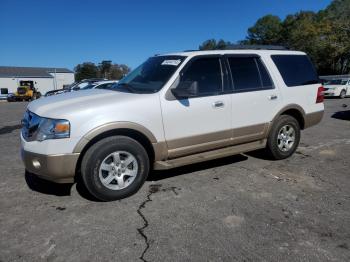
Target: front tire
283	138
342	94
114	168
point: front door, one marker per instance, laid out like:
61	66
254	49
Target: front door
203	122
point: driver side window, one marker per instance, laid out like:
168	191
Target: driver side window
207	73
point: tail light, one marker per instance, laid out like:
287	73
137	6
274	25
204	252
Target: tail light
320	94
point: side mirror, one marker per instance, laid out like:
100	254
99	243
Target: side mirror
186	89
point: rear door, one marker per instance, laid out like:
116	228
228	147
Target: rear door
255	99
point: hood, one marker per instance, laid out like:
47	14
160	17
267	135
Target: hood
63	105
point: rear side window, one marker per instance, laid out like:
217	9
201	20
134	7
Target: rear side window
207	73
296	70
248	74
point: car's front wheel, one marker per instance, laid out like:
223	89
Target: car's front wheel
284	137
114	168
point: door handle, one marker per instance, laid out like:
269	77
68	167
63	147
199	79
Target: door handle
273	97
218	104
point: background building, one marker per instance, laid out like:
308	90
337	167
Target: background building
44	79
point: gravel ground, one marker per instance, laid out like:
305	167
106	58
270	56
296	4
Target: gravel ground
241	208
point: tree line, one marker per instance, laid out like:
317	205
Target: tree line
323	35
106	69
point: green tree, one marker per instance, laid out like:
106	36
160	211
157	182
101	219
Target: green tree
338	12
86	70
266	31
324	36
104	68
221	44
212	44
118	71
208	45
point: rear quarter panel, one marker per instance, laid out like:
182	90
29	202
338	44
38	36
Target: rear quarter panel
304	96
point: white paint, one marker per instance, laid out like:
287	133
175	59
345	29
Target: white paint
63	79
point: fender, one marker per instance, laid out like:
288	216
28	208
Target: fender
112	126
284	109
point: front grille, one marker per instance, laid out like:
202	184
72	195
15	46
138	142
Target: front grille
30	125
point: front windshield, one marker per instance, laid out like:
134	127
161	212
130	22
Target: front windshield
336	82
151	76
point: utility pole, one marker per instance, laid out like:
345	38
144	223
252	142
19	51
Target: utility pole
55	80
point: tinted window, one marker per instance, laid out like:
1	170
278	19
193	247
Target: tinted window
4	91
248	73
265	77
207	73
296	70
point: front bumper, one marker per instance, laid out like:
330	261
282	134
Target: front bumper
57	168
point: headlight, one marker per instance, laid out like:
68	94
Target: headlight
53	129
37	128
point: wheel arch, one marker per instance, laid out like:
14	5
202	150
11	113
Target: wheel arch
135	131
295	111
343	90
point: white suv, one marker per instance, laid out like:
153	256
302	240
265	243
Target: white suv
173	110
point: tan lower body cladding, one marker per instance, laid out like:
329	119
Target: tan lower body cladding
56	168
313	118
209	155
196	144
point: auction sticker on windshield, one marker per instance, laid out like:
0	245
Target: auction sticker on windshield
172	62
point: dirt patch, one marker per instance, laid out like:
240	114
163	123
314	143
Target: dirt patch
233	221
327	152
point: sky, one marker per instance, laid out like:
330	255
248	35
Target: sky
65	33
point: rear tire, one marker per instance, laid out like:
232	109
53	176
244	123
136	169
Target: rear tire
283	138
106	172
342	94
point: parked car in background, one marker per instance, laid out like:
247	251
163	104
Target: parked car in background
173	110
75	86
100	85
337	88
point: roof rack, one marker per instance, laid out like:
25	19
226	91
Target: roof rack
256	47
246	47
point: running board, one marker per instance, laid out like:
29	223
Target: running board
210	155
